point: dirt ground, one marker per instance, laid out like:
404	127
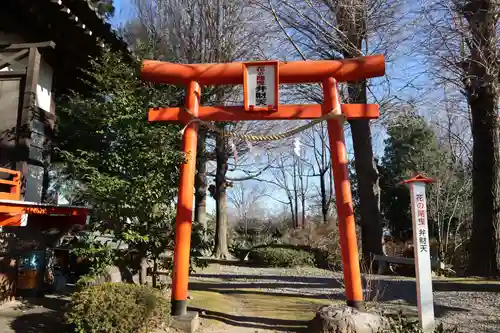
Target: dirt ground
33	316
242	299
238	299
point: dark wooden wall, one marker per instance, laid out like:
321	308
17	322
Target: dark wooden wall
79	34
26	131
10	103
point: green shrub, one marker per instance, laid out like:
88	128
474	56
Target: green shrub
118	308
321	257
321	239
324	258
281	257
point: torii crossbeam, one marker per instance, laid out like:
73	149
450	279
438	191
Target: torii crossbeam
261	85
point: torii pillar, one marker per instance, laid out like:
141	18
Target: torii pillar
261	81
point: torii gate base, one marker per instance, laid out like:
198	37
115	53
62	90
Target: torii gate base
327	72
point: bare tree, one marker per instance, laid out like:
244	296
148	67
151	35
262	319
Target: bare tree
298	190
185	31
280	178
240	27
328	29
303	187
246	200
233	155
450	204
481	80
193	31
317	141
463	40
449	209
290	175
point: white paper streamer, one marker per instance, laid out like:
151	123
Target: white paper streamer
258	155
235	151
255	152
250	147
296	146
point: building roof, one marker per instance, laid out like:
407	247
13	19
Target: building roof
12	213
94	21
77	28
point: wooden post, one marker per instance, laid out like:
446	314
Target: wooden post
29	103
184	219
343	196
28	74
425	302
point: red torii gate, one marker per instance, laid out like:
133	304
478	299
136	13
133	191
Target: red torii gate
326	72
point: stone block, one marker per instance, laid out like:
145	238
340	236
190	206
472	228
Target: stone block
332	319
188	323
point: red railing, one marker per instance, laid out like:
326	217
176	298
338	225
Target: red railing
14	192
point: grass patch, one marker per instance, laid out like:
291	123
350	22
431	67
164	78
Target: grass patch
249	302
209	300
467	281
282	307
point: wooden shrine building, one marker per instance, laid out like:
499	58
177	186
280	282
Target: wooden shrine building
44	44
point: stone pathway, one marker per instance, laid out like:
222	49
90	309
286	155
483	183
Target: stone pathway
237	299
33	316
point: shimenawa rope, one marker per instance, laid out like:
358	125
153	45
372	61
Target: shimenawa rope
272	137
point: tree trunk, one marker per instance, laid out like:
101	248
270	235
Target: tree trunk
154	274
481	78
221	250
292	210
324	201
143	270
201	183
351	17
302	193
484	256
295	195
323	173
368	180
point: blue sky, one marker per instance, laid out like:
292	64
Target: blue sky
122	12
398	70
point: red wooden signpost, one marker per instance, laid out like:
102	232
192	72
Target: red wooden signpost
265	107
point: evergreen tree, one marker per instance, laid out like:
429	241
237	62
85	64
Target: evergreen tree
411	147
126	168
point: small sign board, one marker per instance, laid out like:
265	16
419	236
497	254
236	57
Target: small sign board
425	302
261	85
